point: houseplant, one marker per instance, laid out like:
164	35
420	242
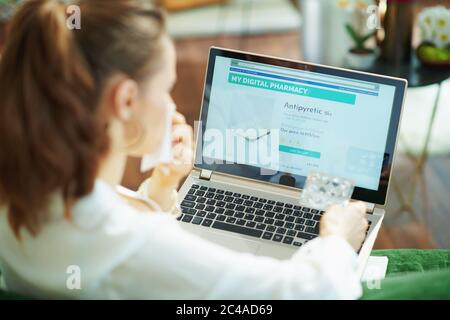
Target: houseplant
434	50
360	56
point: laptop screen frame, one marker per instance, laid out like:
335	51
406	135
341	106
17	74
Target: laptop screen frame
252	172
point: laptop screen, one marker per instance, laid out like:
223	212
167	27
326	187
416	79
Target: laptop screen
288	120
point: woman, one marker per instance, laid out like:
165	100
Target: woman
74	105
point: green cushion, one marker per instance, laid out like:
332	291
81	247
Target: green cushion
412	274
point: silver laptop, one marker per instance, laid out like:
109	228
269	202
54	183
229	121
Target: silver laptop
267	122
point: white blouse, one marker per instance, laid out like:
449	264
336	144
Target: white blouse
110	250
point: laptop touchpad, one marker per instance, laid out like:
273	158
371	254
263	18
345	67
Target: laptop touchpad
231	242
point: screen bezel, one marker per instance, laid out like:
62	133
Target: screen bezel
251	172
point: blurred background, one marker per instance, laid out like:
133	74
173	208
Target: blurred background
404	38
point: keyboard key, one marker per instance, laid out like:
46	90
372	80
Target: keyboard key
201	200
298	244
280	204
269	221
212	189
260	226
250	224
228	193
186	218
310	223
201	214
200	193
288	240
195	186
228	199
277	209
238	201
268	207
197	220
230	206
188	204
239	208
289	225
220	191
209	195
219	210
314	211
267	235
239	214
270	202
229	213
279	223
190	197
249	216
250	210
306	209
244	196
307	215
211	215
299	227
300	220
258	219
209	208
317	217
200	206
191	191
203	188
219	197
289	218
211	202
262	200
236	194
297	213
291	233
257	205
271	228
237	229
260	212
288	211
311	230
288	205
277	238
240	222
269	214
254	198
248	203
221	218
281	230
220	204
297	207
280	216
231	220
306	236
179	217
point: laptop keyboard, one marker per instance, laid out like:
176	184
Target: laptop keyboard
248	215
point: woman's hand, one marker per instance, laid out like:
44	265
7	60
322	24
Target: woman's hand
349	222
182	151
166	177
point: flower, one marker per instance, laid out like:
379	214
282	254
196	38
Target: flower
434	23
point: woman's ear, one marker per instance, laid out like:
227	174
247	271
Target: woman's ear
124	98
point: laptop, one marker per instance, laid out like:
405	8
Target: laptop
265	124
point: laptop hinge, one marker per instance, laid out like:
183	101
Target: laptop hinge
370	207
205	174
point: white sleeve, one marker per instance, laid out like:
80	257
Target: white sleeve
174	264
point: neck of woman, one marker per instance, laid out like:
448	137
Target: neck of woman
112	168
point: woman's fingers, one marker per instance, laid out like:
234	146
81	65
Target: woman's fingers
183	134
178	118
